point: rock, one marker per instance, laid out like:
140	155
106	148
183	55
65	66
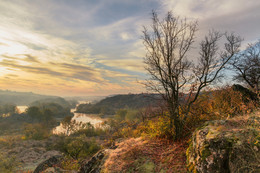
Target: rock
47	164
57	170
94	164
246	93
226	146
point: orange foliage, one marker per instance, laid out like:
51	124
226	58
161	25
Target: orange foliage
166	156
218	104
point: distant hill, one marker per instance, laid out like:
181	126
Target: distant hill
58	106
109	105
92	99
56	100
21	98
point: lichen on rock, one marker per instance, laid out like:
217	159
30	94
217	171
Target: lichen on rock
226	146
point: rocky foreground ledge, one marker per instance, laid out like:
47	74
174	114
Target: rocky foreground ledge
93	165
224	146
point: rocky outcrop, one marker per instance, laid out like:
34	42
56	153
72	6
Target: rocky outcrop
225	146
94	164
49	163
246	93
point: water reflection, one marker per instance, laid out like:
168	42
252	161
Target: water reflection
21	109
78	117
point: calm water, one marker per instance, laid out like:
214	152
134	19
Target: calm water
21	109
79	117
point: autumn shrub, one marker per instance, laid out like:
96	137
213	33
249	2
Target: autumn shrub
70	164
129	129
218	104
124	124
201	110
158	127
128	123
79	147
36	131
229	102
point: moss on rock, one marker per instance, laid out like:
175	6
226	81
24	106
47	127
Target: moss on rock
224	146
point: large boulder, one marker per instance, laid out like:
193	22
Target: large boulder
225	146
49	163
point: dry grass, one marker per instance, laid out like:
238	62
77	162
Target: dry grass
240	122
131	153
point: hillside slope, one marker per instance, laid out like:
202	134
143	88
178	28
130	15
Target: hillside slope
109	105
21	98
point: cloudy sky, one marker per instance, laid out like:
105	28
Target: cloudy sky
93	47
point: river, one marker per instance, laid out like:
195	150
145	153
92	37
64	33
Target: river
78	117
21	109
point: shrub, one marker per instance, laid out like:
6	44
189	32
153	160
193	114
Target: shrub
7	110
158	127
90	131
132	115
8	164
69	163
77	147
229	101
36	131
120	114
219	104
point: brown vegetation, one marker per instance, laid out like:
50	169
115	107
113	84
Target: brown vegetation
142	155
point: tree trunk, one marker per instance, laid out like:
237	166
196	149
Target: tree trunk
178	128
175	123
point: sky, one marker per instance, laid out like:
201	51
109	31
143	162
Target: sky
94	47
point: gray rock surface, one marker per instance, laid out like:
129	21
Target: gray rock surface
47	164
226	146
94	164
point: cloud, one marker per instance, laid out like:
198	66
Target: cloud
125	36
30	58
204	9
126	64
94	46
58	70
30	69
240	16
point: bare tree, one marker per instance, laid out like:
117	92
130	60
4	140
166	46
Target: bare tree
247	67
167	43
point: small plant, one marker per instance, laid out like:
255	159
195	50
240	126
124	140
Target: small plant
69	163
36	131
8	164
